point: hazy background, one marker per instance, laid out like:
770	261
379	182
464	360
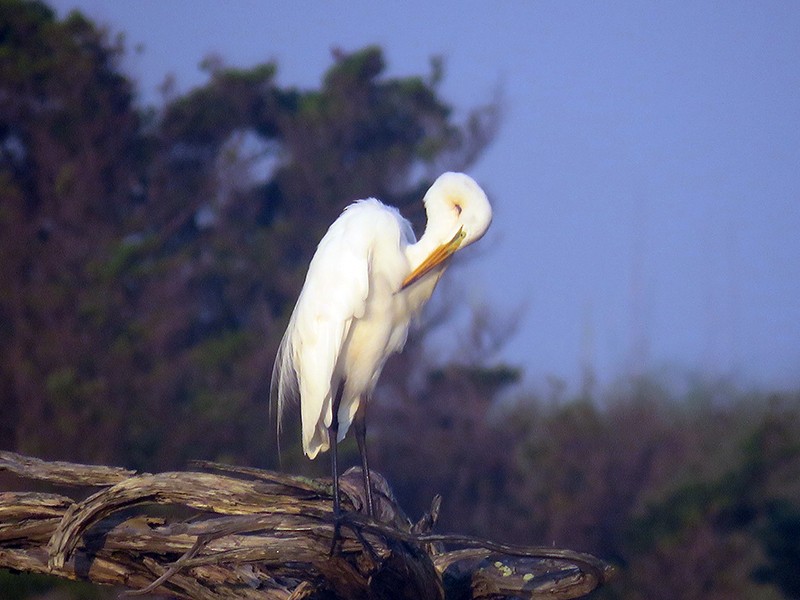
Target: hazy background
645	174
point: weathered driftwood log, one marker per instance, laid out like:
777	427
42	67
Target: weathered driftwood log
244	533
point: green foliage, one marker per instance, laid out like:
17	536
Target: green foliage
780	538
16	586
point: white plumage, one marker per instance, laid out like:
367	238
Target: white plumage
367	280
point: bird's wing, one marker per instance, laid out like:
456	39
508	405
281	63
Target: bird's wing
334	294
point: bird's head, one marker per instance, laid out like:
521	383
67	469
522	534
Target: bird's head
459	214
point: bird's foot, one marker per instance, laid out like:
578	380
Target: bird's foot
344	519
337	535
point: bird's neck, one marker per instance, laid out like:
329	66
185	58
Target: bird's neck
419	293
436	231
422	249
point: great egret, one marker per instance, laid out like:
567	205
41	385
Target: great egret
367	280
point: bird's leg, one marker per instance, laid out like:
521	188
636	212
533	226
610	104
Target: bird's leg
360	429
334	433
338	515
333	436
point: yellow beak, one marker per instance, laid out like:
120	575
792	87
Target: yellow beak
437	257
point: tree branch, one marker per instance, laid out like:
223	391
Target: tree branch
252	534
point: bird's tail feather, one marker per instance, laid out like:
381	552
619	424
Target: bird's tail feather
283	387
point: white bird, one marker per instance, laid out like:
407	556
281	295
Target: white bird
367	280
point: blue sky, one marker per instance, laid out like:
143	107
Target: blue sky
646	177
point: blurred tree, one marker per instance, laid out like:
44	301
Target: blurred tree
580	467
729	535
780	539
693	498
68	154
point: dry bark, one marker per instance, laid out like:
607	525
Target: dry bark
242	533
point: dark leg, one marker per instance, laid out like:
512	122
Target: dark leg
333	437
333	432
360	428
